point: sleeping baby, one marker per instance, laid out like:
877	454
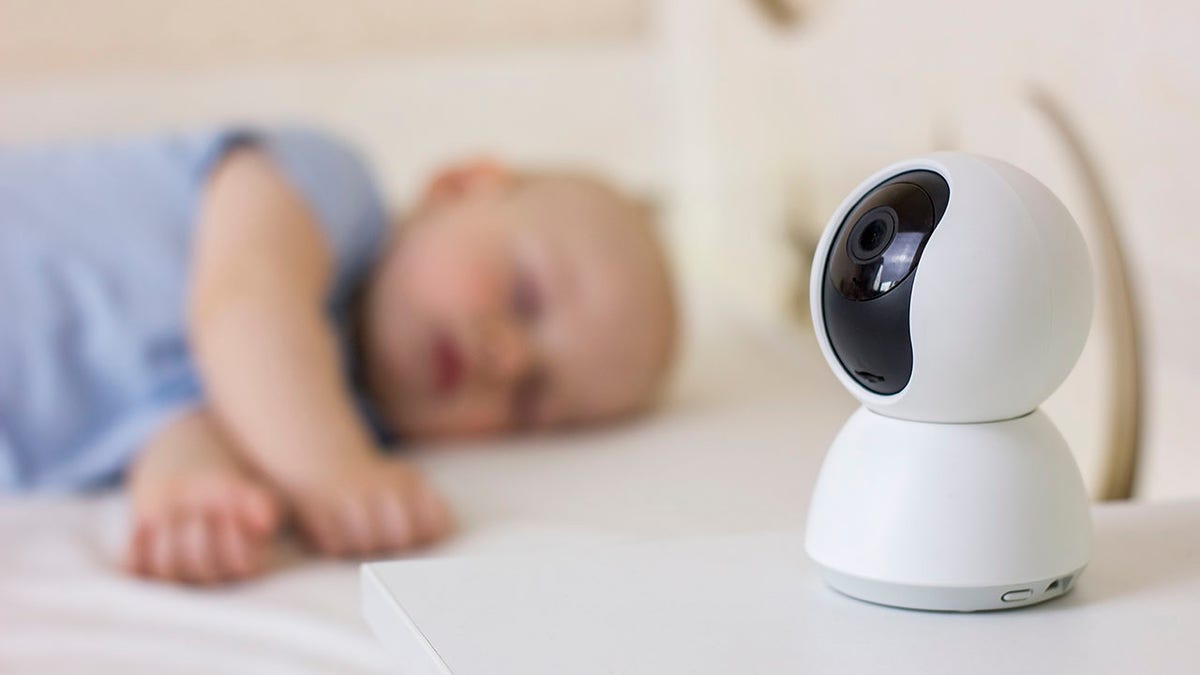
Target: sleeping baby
233	325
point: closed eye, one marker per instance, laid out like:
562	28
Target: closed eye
526	297
527	399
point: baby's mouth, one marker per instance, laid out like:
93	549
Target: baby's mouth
448	364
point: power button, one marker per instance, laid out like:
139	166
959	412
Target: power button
1017	596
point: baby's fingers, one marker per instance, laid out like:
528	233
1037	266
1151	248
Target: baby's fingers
359	527
137	554
153	552
195	552
237	554
322	531
396	527
432	514
160	553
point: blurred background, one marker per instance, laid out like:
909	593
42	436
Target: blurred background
744	121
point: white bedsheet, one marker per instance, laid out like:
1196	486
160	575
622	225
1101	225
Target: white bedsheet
65	608
736	450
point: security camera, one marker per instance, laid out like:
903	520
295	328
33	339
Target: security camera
950	294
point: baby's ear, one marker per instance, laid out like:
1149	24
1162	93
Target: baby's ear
648	209
481	174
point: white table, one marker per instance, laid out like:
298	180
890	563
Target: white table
752	603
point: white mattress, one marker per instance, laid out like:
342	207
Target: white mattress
735	451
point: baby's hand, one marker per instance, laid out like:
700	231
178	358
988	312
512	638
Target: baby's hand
199	515
377	506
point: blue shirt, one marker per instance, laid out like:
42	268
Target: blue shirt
95	250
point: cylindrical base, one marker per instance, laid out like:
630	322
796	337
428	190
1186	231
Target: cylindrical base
951	598
957	517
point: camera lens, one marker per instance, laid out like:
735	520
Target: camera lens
871	238
872	234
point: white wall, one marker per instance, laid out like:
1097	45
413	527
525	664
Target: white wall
43	37
415	83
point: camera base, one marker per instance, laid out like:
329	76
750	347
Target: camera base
953	517
951	599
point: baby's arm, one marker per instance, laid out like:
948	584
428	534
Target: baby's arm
270	365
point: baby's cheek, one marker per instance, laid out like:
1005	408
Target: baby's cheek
457	275
468	288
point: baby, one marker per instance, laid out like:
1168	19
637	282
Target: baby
231	323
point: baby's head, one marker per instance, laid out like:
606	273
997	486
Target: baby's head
517	301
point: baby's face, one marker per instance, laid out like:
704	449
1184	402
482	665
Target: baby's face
517	304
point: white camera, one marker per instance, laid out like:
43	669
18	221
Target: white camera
951	294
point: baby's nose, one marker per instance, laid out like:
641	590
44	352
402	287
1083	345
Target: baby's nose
509	352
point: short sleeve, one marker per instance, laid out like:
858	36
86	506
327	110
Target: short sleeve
338	185
334	180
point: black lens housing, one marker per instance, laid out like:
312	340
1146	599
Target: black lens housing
867	288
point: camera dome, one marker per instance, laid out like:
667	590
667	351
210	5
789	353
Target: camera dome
951	288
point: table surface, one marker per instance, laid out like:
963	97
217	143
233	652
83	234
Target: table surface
753	603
